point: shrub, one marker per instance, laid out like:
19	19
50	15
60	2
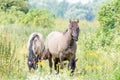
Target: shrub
109	15
109	18
36	17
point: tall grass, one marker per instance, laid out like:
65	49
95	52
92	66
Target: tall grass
95	62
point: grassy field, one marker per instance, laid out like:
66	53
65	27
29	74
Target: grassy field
94	61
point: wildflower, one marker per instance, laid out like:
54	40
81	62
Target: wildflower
89	67
40	63
58	64
4	34
61	69
97	53
104	59
98	67
93	54
88	51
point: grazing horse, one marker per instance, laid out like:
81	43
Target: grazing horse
35	49
62	46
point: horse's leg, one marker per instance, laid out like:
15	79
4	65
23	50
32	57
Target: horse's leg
69	65
72	63
50	63
37	58
56	65
61	60
29	68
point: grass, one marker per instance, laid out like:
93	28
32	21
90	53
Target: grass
94	61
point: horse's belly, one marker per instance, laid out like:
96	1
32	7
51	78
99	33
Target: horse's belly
53	49
53	41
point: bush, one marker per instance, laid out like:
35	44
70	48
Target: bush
109	15
109	18
117	73
18	12
36	17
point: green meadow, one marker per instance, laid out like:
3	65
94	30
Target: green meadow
98	47
94	61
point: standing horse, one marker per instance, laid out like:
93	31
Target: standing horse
36	49
62	46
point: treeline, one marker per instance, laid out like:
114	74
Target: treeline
19	12
67	10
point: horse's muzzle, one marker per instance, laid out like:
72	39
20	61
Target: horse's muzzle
75	38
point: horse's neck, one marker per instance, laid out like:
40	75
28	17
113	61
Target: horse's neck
68	37
71	42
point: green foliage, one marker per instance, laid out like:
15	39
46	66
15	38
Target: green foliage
12	10
109	15
20	5
117	73
109	18
36	17
10	17
18	12
8	61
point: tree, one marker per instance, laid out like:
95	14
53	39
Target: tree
62	8
80	11
20	5
109	15
36	17
109	18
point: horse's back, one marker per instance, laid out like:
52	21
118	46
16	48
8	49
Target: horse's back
52	42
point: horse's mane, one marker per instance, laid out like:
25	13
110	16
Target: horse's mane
71	42
65	31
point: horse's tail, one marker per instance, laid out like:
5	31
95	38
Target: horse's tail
30	45
31	39
36	43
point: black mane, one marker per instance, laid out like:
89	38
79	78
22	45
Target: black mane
65	31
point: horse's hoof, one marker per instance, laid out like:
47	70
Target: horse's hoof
49	73
61	67
56	72
72	73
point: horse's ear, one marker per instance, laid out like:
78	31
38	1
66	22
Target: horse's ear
77	20
70	21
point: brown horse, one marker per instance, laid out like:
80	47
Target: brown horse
62	46
35	49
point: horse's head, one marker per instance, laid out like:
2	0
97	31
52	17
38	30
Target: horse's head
32	64
74	27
